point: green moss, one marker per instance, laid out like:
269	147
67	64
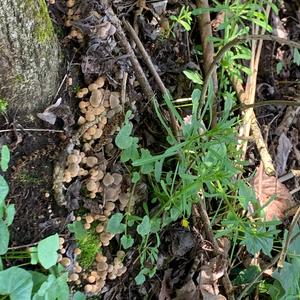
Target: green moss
27	178
3	105
89	247
43	26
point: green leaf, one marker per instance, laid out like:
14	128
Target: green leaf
47	251
289	277
155	225
127	241
10	212
144	228
38	279
78	229
62	287
5	157
4	237
135	177
79	296
123	139
194	76
296	55
48	289
114	224
158	169
140	278
17	283
3	190
132	152
146	168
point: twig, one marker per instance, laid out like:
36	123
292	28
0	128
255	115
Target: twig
33	130
262	148
123	87
152	69
288	239
204	22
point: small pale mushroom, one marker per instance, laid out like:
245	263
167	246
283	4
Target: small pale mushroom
93	87
87	226
92	185
121	254
73	277
88	288
117	178
65	261
102	266
73	159
89	219
108	179
98	133
114	99
100	81
110	206
99	228
73	169
96	98
100	258
83	104
90	117
91	161
91	279
81	120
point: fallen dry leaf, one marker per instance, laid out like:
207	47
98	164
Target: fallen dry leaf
189	291
210	273
268	186
283	150
165	289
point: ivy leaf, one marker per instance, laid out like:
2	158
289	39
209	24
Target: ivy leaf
5	157
3	190
132	152
127	241
10	212
296	55
114	224
123	139
17	283
47	251
140	278
144	228
78	229
4	237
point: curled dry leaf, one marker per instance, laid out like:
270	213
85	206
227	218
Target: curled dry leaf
268	186
283	150
210	273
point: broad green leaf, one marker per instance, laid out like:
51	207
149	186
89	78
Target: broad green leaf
146	168
114	224
5	157
174	213
62	287
78	229
127	241
247	275
194	76
155	225
79	296
123	139
135	177
158	169
47	290
140	278
10	214
132	152
38	279
4	237
17	283
47	251
144	228
296	59
289	277
3	190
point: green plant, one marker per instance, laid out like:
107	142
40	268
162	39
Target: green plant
3	105
184	18
16	282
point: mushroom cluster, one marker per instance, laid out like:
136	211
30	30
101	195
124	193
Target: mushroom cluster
93	279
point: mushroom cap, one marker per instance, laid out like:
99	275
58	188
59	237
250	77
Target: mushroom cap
89	219
83	104
87	226
114	99
88	288
92	130
91	279
99	228
65	261
91	161
73	169
73	277
99	110
110	113
111	194
117	178
73	159
121	254
92	185
90	117
102	266
96	98
108	179
92	87
100	258
81	120
103	120
100	81
110	206
98	134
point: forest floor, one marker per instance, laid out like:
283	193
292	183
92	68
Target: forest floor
140	198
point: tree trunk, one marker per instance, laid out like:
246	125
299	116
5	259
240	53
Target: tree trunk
29	57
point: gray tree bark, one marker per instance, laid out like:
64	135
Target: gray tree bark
29	57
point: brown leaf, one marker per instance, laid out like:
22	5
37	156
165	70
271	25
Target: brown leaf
189	291
268	186
165	289
210	273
